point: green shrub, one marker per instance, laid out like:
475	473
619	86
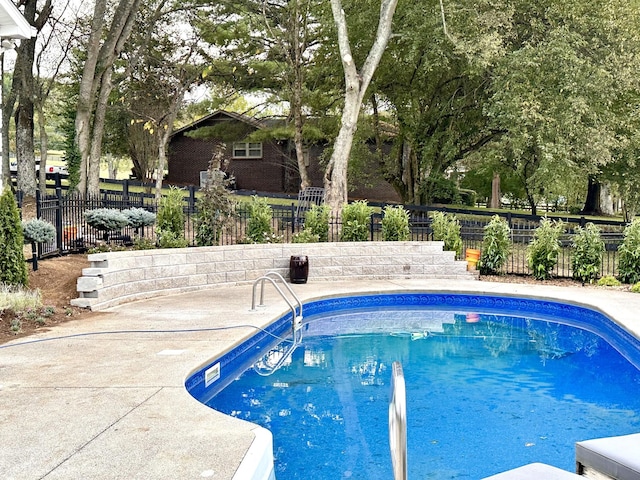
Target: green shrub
356	217
468	197
139	217
170	220
496	244
635	288
215	209
542	253
141	243
588	249
259	224
629	254
608	281
38	231
395	224
446	228
106	220
305	236
13	269
316	221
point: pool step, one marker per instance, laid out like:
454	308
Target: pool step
535	471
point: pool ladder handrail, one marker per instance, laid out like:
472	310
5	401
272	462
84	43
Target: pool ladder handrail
296	326
398	423
272	277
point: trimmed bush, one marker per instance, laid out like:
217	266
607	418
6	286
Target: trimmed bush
542	253
139	217
588	249
259	224
356	217
38	231
496	244
13	269
395	224
170	220
609	281
106	220
629	254
446	228
635	288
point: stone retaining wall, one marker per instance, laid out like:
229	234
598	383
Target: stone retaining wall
119	277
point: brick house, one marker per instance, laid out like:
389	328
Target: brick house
268	166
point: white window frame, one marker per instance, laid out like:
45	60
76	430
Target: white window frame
252	150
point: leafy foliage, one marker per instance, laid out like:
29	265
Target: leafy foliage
629	254
355	221
38	231
588	249
395	224
305	236
259	228
170	220
608	281
496	244
543	251
446	228
316	222
13	269
215	209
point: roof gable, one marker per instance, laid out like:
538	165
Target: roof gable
12	23
253	122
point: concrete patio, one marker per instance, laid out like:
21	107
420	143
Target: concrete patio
105	397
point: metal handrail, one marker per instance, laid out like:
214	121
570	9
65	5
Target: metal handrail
398	423
297	317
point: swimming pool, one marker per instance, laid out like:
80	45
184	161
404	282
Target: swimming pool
477	319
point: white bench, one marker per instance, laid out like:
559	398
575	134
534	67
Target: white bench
612	457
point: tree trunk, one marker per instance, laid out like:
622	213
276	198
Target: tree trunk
496	194
298	141
296	103
7	106
25	154
23	85
165	128
356	84
606	200
44	146
592	203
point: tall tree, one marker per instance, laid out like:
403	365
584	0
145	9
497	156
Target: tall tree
109	32
56	43
356	84
24	90
165	59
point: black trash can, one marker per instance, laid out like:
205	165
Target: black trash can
299	269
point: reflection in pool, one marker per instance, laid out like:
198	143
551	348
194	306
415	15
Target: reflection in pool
485	391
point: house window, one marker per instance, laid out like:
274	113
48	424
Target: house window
247	150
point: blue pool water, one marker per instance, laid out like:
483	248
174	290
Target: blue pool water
488	388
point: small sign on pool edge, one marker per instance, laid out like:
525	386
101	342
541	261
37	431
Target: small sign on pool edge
212	374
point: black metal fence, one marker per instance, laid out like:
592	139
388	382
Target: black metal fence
66	212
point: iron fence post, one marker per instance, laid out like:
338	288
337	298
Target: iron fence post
59	219
293	219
